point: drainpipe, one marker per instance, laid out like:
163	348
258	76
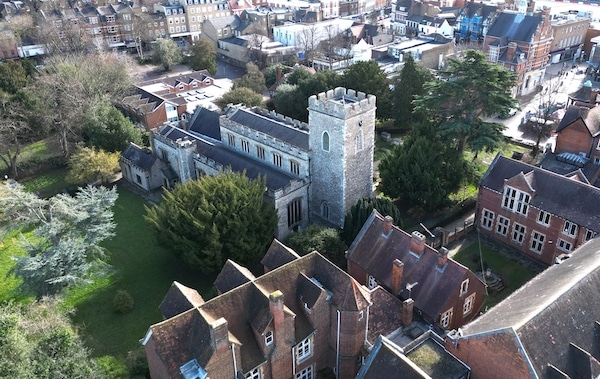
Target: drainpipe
234	361
367	323
337	359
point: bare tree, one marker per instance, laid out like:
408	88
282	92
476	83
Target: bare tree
139	30
63	35
14	130
308	41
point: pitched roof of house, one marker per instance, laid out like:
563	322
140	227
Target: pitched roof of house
514	26
179	299
246	310
139	156
375	252
385	314
277	255
386	359
557	308
472	9
554	193
222	22
232	275
590	116
275	126
206	123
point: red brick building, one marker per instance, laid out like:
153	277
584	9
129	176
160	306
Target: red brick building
546	329
521	43
444	291
302	316
540	213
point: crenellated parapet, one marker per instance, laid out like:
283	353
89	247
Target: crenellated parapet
341	102
282	118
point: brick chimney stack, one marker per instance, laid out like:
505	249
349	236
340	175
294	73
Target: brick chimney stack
407	311
442	257
511	51
397	271
276	308
219	335
388	222
417	243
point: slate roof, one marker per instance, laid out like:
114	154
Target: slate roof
569	199
514	26
246	308
179	299
556	308
565	167
206	123
476	8
590	116
231	276
274	128
139	156
222	22
374	253
277	255
229	158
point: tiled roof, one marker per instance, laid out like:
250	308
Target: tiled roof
246	309
385	314
277	255
179	299
272	127
232	275
557	308
570	199
139	156
514	26
222	22
387	360
374	253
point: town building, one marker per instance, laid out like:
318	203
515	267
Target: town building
569	33
315	172
521	43
446	293
473	21
540	213
548	328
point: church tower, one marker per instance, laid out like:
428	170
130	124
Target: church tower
341	140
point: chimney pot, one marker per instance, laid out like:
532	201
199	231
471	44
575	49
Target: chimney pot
442	257
219	334
417	243
397	271
407	311
388	222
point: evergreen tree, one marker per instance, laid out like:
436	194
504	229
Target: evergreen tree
67	231
471	88
12	76
289	100
326	241
367	77
105	128
360	212
407	85
215	218
204	57
422	171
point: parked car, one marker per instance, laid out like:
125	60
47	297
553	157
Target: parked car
508	113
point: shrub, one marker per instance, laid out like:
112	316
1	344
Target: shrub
138	364
123	302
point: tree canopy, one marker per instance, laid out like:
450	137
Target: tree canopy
167	53
407	85
360	212
104	127
422	171
469	89
67	231
204	56
13	76
367	77
37	340
325	240
241	95
215	218
89	165
253	79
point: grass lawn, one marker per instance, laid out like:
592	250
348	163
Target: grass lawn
513	275
142	268
47	183
8	249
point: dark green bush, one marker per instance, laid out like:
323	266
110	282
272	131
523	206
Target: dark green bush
123	302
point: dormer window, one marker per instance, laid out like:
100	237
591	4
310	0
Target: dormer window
515	200
269	338
307	308
464	287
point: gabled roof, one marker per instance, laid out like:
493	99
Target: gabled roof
179	299
277	255
557	308
472	9
246	310
139	156
387	360
206	123
590	116
222	22
375	253
514	26
554	193
232	275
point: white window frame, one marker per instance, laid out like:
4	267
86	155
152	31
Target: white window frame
253	374
563	245
518	233
536	243
544	218
268	338
494	53
502	225
303	350
446	318
487	219
570	229
589	234
515	200
468	304
464	287
307	373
